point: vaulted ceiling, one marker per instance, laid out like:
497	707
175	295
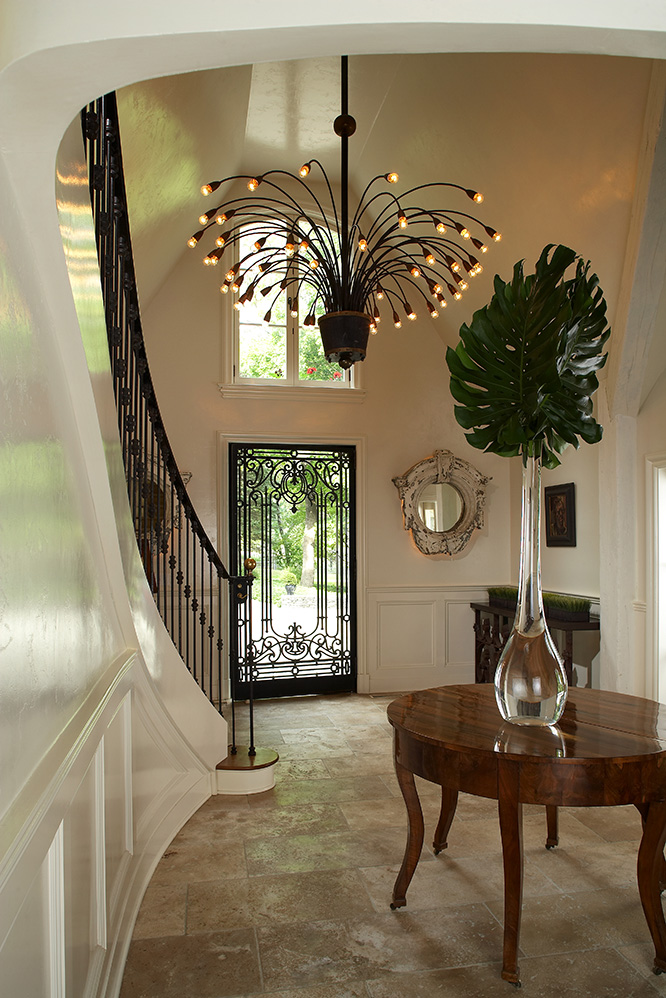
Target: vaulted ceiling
560	145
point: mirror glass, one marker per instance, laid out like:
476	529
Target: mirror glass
439	506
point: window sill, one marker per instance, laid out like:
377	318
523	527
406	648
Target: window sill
291	393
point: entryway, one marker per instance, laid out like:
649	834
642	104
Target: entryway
292	509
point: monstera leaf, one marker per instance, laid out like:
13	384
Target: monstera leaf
524	370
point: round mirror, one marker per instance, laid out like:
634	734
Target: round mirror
439	506
443	500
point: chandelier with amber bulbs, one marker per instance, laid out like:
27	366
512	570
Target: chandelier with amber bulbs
392	255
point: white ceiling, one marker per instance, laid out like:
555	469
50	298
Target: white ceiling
555	142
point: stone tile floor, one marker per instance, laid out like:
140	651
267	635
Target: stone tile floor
286	894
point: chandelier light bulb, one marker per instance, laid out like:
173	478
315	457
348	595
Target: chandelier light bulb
415	272
380	294
497	236
429	258
314	264
289	249
238	305
304	170
193	240
363	244
203	219
259	243
457	295
224	289
402	221
465	233
220	241
441	228
437	289
433	311
253	184
220	218
373	328
209	188
392	178
304	244
396	320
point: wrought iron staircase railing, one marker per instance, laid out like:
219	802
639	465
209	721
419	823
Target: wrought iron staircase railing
185	573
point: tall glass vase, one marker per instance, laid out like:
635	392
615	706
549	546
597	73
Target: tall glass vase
530	681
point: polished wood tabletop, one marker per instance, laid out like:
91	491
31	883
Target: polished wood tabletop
607	749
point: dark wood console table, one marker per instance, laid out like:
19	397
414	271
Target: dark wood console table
608	749
491	627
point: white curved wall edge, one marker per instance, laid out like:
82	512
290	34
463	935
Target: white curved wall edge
199	722
81	841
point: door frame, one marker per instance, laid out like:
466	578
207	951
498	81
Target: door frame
302	439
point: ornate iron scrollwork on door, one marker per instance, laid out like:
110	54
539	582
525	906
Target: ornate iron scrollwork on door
293	507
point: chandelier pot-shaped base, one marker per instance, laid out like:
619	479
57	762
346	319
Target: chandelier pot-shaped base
344	336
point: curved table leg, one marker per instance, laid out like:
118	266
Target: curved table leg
414	835
511	827
650	866
551	824
643	809
446	815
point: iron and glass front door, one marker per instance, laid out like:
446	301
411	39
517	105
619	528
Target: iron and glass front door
293	510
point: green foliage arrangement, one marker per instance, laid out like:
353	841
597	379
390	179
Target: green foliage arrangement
558	601
524	370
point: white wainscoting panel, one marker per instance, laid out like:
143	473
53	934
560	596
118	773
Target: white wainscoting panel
88	832
419	637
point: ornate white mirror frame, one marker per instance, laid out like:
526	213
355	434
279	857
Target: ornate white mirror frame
470	484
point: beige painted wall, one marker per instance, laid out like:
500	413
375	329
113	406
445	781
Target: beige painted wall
406	415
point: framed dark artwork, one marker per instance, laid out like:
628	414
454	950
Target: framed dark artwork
560	515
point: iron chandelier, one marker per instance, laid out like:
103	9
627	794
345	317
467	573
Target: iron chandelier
392	251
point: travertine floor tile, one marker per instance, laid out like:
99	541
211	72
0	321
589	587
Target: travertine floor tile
162	912
216	826
346	989
322	791
451	881
611	823
189	859
596	974
396	942
210	965
641	956
328	851
581	920
294	897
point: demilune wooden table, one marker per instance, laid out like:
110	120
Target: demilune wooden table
607	749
